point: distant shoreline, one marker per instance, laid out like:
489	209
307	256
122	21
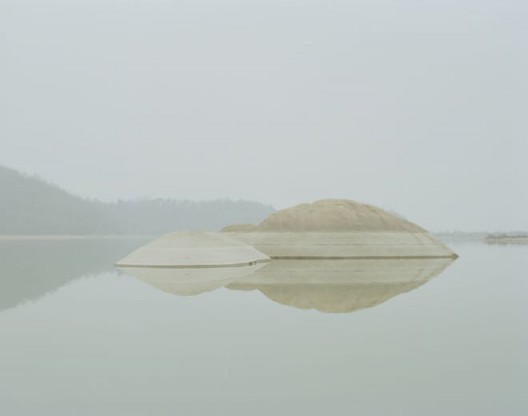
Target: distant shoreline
507	240
6	237
58	237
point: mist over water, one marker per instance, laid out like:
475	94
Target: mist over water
96	341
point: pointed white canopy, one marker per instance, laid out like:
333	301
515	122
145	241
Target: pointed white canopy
193	249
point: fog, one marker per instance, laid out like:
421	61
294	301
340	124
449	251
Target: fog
415	106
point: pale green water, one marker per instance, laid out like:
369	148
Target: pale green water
79	338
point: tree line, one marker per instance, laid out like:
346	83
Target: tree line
30	205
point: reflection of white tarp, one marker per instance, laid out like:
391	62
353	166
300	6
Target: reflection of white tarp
190	281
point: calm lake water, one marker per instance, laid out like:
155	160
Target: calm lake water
78	337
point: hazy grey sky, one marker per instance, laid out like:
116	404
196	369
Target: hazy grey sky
416	106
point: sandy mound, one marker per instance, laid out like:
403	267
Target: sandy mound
335	215
239	228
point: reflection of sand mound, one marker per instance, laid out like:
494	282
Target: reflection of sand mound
190	281
340	285
335	215
334	298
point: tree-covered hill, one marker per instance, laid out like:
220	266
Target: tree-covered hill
29	205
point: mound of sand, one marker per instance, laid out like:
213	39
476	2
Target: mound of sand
239	228
335	215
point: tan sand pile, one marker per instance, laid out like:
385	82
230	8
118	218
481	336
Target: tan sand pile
239	228
335	215
339	228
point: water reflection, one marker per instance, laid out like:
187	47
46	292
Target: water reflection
190	281
340	286
337	286
29	269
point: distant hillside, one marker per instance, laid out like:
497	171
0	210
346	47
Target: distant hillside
29	205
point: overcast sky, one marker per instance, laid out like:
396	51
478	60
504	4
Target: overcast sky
416	106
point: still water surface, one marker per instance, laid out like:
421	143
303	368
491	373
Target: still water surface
78	337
